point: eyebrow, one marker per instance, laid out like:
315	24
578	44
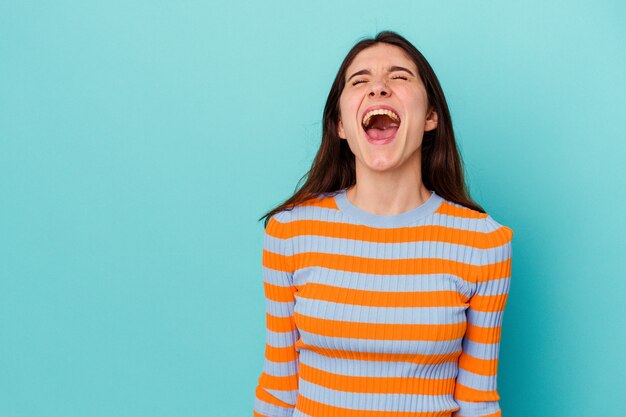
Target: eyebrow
390	69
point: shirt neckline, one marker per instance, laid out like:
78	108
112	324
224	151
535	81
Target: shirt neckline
387	220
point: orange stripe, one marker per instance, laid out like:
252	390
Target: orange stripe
383	357
277	261
325	202
265	396
413	266
462	212
377	384
278	293
486	367
489	303
280	324
464	393
378	331
280	383
495	270
278	230
317	409
496	414
483	334
498	237
323	292
282	354
435	233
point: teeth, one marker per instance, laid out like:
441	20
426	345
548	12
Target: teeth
389	113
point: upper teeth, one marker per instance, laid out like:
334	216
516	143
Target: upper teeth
371	113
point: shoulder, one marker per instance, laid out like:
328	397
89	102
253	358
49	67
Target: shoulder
487	231
313	207
493	246
453	209
496	233
279	224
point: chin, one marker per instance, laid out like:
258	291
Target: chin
380	163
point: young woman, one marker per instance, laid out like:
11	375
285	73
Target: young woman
385	283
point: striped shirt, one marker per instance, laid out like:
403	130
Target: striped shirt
382	315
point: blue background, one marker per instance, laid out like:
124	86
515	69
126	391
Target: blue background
140	141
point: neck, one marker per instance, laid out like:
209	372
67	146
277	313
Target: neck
388	201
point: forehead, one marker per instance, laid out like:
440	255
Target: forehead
380	56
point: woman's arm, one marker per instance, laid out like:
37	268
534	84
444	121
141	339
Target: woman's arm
277	388
476	383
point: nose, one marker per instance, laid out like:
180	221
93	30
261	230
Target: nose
379	87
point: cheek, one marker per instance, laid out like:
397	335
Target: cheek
352	118
348	105
342	109
419	101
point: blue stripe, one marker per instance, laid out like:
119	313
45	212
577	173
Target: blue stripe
276	277
281	340
381	315
279	309
478	408
381	283
272	410
354	367
289	397
481	350
399	250
332	215
424	347
376	402
476	381
494	286
280	368
484	319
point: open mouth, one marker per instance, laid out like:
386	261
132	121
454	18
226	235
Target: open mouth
380	125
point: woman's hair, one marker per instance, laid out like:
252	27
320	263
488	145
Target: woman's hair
333	167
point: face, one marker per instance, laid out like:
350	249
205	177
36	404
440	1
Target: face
401	89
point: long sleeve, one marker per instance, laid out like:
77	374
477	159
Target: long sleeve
277	388
476	383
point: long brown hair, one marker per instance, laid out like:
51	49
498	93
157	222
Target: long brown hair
334	168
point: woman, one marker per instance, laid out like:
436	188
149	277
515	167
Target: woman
385	283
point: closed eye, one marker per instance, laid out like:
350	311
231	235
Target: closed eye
396	77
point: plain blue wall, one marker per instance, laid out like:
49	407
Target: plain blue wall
140	141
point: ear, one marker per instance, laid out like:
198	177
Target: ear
340	131
431	121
